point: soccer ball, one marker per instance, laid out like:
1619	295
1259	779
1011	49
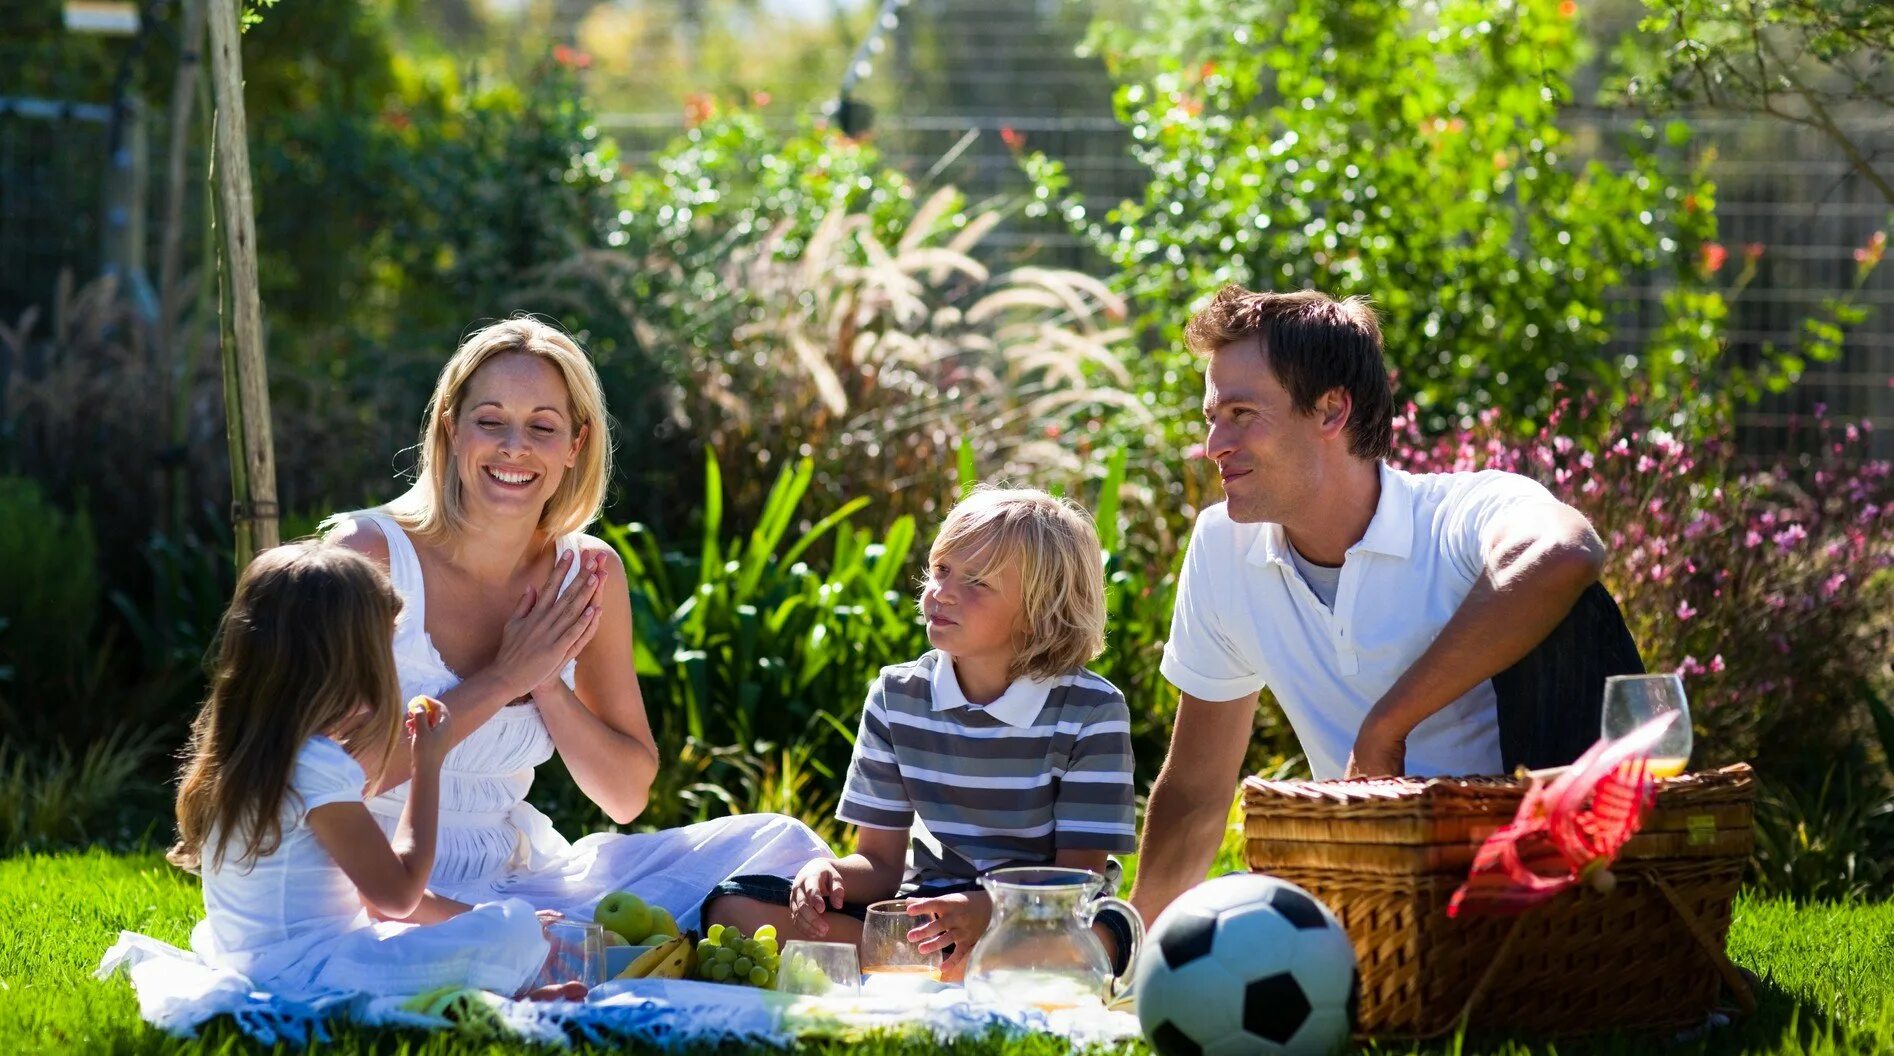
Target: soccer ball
1246	965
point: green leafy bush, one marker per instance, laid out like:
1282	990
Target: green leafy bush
754	659
49	605
1410	151
49	798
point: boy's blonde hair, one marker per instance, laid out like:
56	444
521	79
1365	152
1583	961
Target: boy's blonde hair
432	508
1061	571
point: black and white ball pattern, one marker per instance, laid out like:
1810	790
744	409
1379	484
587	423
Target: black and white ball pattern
1246	965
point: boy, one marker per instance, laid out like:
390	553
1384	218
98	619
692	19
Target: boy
995	749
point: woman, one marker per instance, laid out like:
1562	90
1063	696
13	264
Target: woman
521	624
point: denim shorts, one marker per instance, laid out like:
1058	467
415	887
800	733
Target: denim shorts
774	891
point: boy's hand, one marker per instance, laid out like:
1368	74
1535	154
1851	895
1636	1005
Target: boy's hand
816	889
427	732
959	920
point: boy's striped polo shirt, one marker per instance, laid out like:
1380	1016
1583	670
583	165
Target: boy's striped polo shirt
1044	768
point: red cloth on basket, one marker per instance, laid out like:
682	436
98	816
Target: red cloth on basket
1568	829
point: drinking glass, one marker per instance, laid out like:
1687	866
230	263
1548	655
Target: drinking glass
885	946
578	954
1633	700
819	968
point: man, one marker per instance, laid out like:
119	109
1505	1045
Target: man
1377	605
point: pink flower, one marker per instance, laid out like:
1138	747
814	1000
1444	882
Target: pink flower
1710	258
1833	584
1788	537
1716	664
1684	611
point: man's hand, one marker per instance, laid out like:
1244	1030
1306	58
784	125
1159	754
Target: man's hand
1377	754
959	920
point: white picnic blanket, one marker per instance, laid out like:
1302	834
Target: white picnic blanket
179	996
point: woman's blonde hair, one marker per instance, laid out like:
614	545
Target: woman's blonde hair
432	508
1061	571
306	647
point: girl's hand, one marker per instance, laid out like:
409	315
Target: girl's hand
959	921
427	733
546	629
817	888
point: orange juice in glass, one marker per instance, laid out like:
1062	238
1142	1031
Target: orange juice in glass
886	951
1633	700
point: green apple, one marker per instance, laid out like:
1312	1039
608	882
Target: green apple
662	923
654	939
626	914
613	938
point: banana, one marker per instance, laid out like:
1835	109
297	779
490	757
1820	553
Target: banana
649	960
671	959
678	959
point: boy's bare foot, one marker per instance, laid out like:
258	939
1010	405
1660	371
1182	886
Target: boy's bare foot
572	991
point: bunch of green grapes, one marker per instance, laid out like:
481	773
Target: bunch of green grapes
724	955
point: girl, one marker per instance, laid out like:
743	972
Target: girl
303	707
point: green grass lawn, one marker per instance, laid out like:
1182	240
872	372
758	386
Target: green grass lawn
1828	972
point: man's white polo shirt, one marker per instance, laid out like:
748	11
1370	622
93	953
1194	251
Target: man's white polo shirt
1244	619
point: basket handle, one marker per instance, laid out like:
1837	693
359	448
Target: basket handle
1732	976
1486	977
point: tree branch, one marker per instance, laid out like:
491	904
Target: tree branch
1834	131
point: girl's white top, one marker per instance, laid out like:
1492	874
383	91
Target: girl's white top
261	914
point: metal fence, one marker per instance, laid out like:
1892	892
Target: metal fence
1783	187
52	172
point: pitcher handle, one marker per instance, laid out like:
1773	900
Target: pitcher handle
1121	983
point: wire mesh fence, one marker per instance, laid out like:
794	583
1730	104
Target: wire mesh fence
1784	188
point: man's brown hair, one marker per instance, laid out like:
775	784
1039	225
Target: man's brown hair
1313	343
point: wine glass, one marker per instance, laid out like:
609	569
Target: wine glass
578	954
1633	700
819	968
886	950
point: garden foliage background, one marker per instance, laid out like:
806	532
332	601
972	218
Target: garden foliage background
809	348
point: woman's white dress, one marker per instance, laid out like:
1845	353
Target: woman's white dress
493	844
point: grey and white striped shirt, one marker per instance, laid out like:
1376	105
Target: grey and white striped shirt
1046	767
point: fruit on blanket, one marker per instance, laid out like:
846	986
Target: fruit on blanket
726	956
662	923
627	914
613	938
674	959
656	938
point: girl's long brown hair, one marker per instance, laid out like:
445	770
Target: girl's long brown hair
305	648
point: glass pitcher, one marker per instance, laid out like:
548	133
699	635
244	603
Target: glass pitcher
1039	948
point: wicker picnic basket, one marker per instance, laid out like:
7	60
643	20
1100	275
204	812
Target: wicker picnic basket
1387	854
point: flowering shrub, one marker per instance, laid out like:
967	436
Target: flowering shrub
1769	590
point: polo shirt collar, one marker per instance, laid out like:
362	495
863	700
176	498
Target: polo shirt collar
1017	707
1390	530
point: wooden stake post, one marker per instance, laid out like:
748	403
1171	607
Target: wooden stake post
247	394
